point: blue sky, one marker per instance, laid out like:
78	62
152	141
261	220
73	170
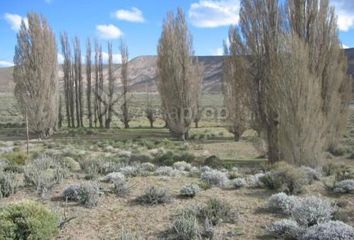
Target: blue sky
138	22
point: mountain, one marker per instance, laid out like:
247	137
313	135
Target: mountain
142	73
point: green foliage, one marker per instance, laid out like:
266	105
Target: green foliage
154	196
213	161
16	157
170	157
27	220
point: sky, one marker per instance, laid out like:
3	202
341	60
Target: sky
138	22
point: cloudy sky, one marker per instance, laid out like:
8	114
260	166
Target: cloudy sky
138	22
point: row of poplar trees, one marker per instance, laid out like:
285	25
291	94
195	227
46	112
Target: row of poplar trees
37	87
100	100
292	87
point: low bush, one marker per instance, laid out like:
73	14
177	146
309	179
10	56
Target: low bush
215	177
282	203
154	196
126	235
182	166
310	211
71	164
148	167
166	171
71	193
185	226
189	191
345	186
311	174
16	157
130	171
285	178
213	162
120	187
170	157
339	151
238	183
8	184
43	173
113	177
285	229
28	220
255	180
332	230
89	194
216	212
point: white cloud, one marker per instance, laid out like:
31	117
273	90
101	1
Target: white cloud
60	58
6	64
133	15
117	58
15	21
214	13
218	52
345	12
108	31
345	46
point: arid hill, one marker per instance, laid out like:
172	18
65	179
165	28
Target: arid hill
142	73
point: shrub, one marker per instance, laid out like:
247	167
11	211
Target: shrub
113	177
345	186
310	211
166	159
154	196
43	173
332	230
71	193
339	151
216	212
130	171
215	177
285	229
213	161
120	187
140	158
189	190
285	178
125	235
185	226
255	180
238	183
92	167
8	184
147	166
282	203
182	166
311	174
166	171
89	194
16	157
344	173
71	164
28	220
